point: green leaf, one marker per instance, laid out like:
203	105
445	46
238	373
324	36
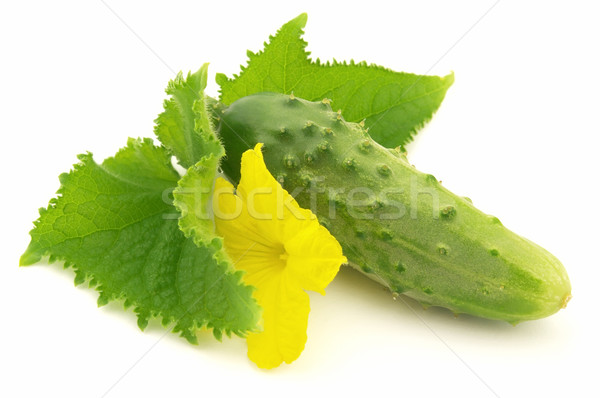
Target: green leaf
394	105
193	119
192	198
115	225
184	127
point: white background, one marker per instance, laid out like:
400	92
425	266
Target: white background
518	133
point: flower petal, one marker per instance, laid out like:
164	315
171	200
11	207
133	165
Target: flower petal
267	201
283	251
285	319
315	257
242	233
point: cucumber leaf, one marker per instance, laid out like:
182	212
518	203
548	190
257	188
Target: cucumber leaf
188	121
184	127
115	225
192	198
394	105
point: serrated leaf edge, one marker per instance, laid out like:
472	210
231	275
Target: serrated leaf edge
32	256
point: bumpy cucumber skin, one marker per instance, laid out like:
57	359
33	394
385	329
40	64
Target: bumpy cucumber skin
442	252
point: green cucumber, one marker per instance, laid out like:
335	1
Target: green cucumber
395	224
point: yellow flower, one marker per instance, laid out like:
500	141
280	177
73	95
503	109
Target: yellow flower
283	250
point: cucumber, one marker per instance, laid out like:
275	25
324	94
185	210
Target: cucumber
396	224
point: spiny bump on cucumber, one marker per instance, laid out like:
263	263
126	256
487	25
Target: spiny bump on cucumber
442	250
448	212
384	170
309	128
281	178
324	146
366	269
376	204
309	157
365	145
327	132
307	180
397	291
494	220
284	134
290	161
430	178
292	101
339	202
385	234
349	164
437	248
400	268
